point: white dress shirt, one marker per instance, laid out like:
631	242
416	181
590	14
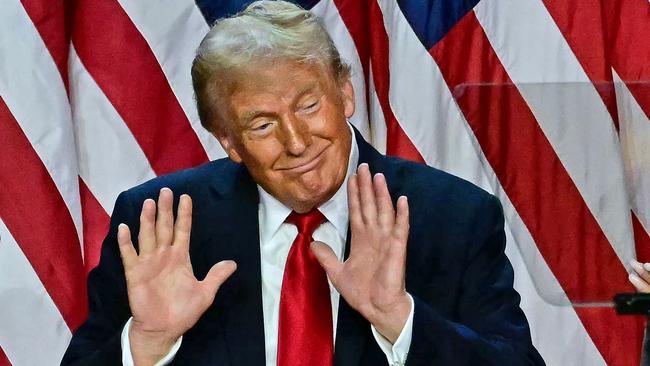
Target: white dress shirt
276	238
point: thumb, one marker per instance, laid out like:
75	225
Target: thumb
217	275
327	259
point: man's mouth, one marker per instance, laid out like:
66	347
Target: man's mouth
306	165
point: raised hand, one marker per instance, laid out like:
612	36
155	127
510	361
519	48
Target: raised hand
371	280
165	297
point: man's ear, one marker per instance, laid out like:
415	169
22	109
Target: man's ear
227	141
347	93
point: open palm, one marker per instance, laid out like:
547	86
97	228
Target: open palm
165	297
371	280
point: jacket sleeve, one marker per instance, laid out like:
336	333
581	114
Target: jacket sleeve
490	328
97	341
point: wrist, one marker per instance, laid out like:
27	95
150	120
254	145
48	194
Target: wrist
390	321
148	347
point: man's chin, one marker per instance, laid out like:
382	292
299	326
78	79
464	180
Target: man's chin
304	201
308	190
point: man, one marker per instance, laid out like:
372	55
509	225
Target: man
422	281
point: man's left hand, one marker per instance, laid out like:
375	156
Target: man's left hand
371	280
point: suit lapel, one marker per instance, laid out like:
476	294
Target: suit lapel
378	164
239	301
353	330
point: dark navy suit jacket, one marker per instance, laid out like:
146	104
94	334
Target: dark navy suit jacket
466	310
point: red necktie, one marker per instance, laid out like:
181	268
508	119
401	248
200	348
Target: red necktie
305	335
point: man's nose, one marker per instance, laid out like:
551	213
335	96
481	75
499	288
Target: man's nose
296	135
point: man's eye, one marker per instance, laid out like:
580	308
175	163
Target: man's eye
262	127
311	105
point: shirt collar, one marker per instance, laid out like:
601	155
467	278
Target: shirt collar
273	212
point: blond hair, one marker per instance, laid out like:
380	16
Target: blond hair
264	31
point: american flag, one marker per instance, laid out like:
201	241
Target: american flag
541	102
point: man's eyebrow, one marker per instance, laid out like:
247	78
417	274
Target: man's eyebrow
247	117
251	115
306	89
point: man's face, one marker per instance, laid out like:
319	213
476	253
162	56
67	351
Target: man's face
288	126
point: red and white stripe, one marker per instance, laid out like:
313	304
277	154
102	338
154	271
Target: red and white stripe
41	231
516	98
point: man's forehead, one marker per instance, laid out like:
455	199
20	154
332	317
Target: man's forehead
278	76
276	83
260	88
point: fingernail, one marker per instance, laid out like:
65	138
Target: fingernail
646	266
637	266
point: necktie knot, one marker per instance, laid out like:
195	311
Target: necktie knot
307	222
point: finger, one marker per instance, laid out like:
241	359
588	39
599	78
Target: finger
640	270
367	195
328	260
127	251
386	213
183	225
165	218
396	260
217	275
354	206
401	228
147	234
638	283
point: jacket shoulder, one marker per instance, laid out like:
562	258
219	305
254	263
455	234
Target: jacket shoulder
429	184
219	175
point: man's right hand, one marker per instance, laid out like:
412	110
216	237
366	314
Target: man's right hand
165	297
